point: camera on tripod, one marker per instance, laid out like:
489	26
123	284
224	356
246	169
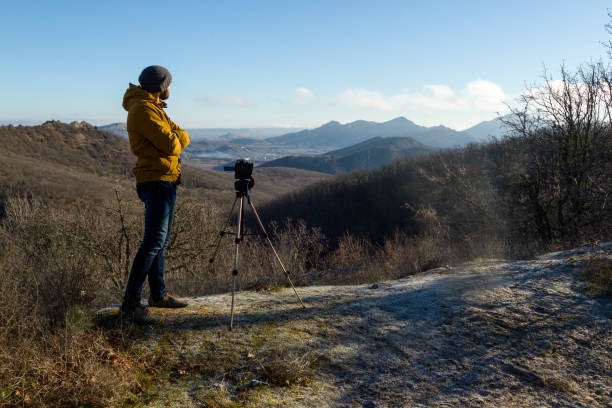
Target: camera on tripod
243	169
243	173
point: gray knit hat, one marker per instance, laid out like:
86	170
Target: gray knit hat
155	78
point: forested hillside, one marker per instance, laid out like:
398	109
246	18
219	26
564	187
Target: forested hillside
368	155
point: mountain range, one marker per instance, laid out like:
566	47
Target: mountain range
334	135
372	153
337	135
397	138
334	147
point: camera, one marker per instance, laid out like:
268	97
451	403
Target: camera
243	169
243	173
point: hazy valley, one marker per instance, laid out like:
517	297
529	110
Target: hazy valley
369	144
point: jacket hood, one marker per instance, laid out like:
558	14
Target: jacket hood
135	94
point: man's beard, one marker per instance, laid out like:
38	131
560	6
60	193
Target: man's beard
164	95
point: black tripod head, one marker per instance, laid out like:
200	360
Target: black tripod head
243	186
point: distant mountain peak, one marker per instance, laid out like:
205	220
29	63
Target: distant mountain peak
118	128
400	119
359	122
117	124
484	131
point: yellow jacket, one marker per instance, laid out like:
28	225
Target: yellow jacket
156	141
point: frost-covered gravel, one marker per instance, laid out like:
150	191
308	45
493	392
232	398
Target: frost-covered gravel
497	334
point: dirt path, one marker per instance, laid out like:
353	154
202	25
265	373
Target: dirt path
499	334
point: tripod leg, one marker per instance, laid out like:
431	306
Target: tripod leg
235	271
217	243
221	233
275	253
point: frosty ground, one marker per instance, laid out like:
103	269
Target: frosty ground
492	334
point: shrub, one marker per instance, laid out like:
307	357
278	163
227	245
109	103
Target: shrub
51	354
598	275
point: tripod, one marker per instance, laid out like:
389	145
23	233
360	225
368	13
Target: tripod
242	192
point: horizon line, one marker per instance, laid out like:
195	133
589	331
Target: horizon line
93	123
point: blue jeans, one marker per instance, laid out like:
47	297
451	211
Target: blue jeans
159	198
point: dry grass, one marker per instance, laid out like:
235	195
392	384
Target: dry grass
51	354
65	369
285	367
58	262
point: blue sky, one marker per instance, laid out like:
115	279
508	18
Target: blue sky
289	63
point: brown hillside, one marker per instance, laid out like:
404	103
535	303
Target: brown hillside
65	161
78	145
72	161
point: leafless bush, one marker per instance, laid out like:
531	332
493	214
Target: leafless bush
598	275
354	261
51	268
50	355
405	255
18	304
195	230
300	249
352	251
563	138
19	209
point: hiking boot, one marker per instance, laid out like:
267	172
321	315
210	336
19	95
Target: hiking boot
138	314
167	301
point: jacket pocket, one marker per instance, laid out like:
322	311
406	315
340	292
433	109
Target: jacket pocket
169	164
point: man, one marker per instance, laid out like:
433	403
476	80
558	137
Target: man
157	142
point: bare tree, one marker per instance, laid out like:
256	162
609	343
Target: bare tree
564	131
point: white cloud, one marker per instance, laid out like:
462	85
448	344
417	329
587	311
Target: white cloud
239	101
364	99
555	85
484	95
478	95
304	96
436	97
